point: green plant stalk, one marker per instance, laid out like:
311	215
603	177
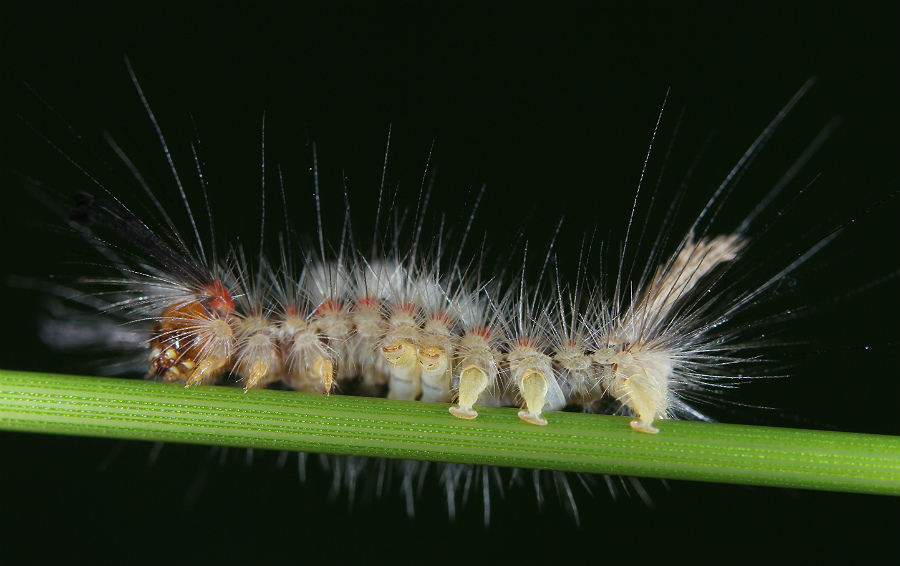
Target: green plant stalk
279	420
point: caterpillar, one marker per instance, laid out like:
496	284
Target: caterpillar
408	325
829	408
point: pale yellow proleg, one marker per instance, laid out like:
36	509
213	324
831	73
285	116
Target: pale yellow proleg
207	371
258	373
645	397
534	390
324	370
472	381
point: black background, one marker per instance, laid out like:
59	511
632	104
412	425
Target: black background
553	106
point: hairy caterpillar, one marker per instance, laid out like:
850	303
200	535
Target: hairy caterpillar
843	405
406	323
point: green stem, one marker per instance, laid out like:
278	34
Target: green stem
279	420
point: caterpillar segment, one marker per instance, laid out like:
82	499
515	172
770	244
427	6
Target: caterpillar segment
258	352
399	347
436	349
333	322
368	327
639	379
577	376
636	367
307	362
531	372
477	374
435	354
193	341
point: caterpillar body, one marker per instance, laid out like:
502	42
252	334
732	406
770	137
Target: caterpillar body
412	325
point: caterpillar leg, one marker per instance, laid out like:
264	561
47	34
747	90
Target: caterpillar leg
207	371
323	369
435	374
259	371
405	371
646	397
534	390
472	381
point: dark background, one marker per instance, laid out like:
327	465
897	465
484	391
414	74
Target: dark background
553	107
